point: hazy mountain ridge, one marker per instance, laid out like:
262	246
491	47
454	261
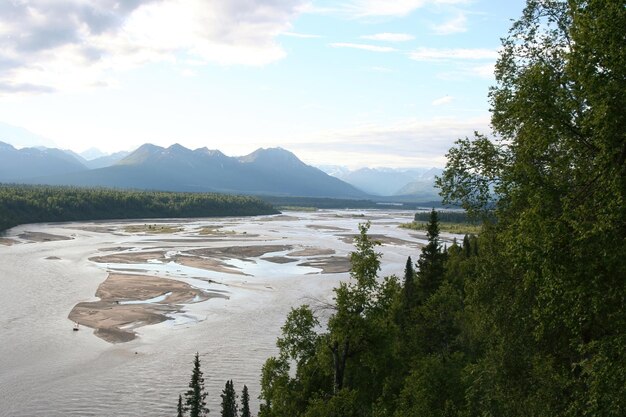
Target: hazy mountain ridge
18	164
387	182
272	171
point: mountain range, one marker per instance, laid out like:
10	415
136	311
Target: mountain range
273	171
416	183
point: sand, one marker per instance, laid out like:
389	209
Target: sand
326	227
279	259
115	322
7	242
42	237
209	264
330	264
312	252
239	252
129	257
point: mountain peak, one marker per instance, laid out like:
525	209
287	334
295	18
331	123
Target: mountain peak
141	154
6	146
271	156
177	147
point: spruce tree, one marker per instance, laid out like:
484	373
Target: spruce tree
195	397
408	296
180	410
467	249
431	260
245	402
229	400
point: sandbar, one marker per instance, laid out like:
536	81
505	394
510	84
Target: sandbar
115	322
383	239
240	252
312	252
330	264
7	242
42	237
129	257
209	264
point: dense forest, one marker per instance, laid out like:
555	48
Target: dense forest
20	204
529	318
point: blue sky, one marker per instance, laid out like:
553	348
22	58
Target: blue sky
354	82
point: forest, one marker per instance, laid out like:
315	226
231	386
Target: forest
21	204
526	319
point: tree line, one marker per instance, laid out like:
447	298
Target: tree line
20	204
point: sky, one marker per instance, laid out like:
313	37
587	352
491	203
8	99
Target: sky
357	83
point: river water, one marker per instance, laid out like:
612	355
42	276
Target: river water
46	369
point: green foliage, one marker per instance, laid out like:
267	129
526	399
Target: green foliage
229	400
21	204
528	318
245	402
456	228
195	397
446	216
548	296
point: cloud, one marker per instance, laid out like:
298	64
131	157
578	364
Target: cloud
71	43
442	100
389	37
463	72
300	35
408	143
432	54
457	24
391	8
373	48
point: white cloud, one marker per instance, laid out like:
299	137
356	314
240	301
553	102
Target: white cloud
464	72
389	37
408	143
300	35
58	45
432	54
442	100
373	48
457	24
391	8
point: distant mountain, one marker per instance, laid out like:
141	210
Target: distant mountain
20	137
272	171
18	165
417	182
106	160
92	153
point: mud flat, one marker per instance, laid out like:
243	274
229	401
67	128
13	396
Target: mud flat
42	237
7	242
130	257
239	252
131	301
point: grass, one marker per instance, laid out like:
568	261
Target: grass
152	228
457	228
214	230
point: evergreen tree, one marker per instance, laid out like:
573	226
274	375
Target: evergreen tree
245	402
229	400
180	409
467	248
408	289
195	397
430	262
